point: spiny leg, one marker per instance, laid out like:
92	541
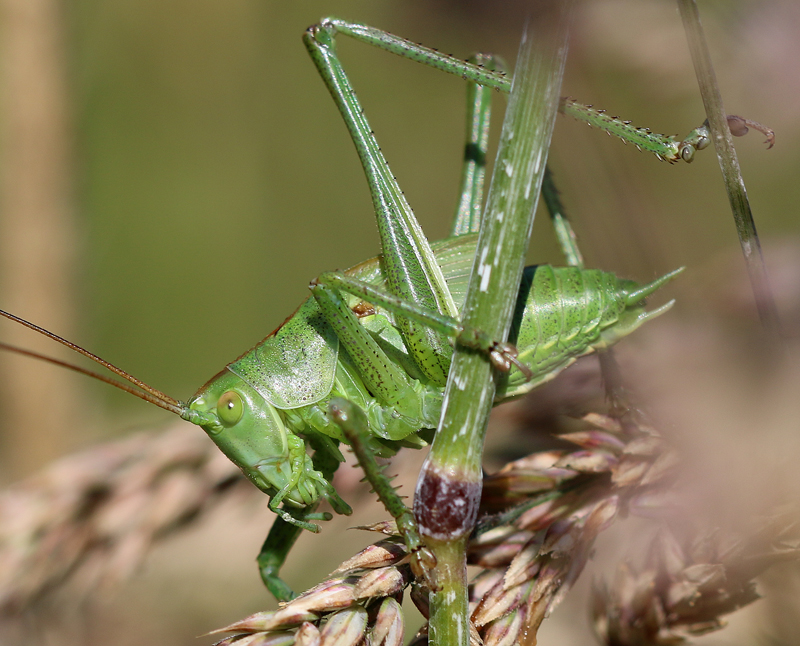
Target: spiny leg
664	147
421	54
353	423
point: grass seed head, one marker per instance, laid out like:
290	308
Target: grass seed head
345	627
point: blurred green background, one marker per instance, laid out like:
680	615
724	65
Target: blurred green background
212	177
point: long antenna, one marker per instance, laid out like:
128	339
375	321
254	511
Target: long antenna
150	394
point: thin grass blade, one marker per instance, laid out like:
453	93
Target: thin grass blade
729	165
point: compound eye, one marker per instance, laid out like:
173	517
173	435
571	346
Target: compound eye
687	153
230	408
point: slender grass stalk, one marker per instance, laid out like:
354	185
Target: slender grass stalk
729	165
449	488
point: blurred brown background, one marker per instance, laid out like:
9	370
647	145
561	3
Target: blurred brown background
194	176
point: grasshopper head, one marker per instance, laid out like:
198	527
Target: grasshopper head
251	432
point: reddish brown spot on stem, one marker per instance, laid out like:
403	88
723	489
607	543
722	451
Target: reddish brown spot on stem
445	505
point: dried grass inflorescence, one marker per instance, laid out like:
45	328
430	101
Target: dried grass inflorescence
93	516
541	516
359	599
685	586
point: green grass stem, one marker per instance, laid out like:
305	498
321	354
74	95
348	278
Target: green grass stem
448	491
729	165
